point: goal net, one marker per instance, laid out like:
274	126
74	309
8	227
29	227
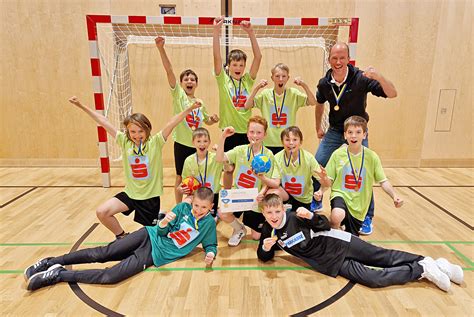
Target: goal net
111	37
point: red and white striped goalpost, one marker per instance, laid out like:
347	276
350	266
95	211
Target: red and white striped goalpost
94	20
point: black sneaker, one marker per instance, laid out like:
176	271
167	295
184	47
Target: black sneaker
46	278
40	266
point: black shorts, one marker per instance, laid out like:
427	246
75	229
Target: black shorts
252	219
181	153
216	203
235	140
295	203
275	149
146	211
352	224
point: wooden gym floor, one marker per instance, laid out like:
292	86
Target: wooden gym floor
49	211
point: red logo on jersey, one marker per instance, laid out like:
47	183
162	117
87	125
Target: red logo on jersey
139	169
246	180
239	103
282	121
293	188
181	236
193	120
350	181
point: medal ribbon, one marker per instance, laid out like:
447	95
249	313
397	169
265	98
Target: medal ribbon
279	110
236	93
338	97
195	115
250	151
289	159
195	221
203	180
357	179
141	150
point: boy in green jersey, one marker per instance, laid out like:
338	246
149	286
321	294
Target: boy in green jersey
353	170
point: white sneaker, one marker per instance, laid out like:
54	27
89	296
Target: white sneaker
432	273
453	271
237	236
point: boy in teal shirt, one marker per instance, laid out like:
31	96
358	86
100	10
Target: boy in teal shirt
353	170
183	97
176	235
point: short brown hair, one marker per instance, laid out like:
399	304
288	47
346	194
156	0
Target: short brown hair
293	129
199	132
237	55
140	120
355	121
204	193
259	120
271	200
187	72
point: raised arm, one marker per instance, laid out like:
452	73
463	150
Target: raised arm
257	54
174	121
160	44
96	116
309	94
216	45
387	86
220	155
250	100
318	115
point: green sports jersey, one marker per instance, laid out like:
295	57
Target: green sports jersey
232	97
279	117
207	172
143	169
344	183
296	176
182	235
242	157
183	133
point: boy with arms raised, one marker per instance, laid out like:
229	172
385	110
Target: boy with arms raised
183	97
279	104
234	88
309	237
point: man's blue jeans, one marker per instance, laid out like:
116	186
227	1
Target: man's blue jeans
331	141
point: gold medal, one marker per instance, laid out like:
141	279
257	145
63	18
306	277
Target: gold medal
278	125
336	107
193	128
357	187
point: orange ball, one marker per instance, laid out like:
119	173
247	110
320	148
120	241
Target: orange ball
190	183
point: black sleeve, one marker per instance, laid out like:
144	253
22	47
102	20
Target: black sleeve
318	223
375	88
262	254
320	98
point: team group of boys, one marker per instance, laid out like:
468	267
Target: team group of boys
296	177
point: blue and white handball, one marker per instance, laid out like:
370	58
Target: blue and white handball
261	163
